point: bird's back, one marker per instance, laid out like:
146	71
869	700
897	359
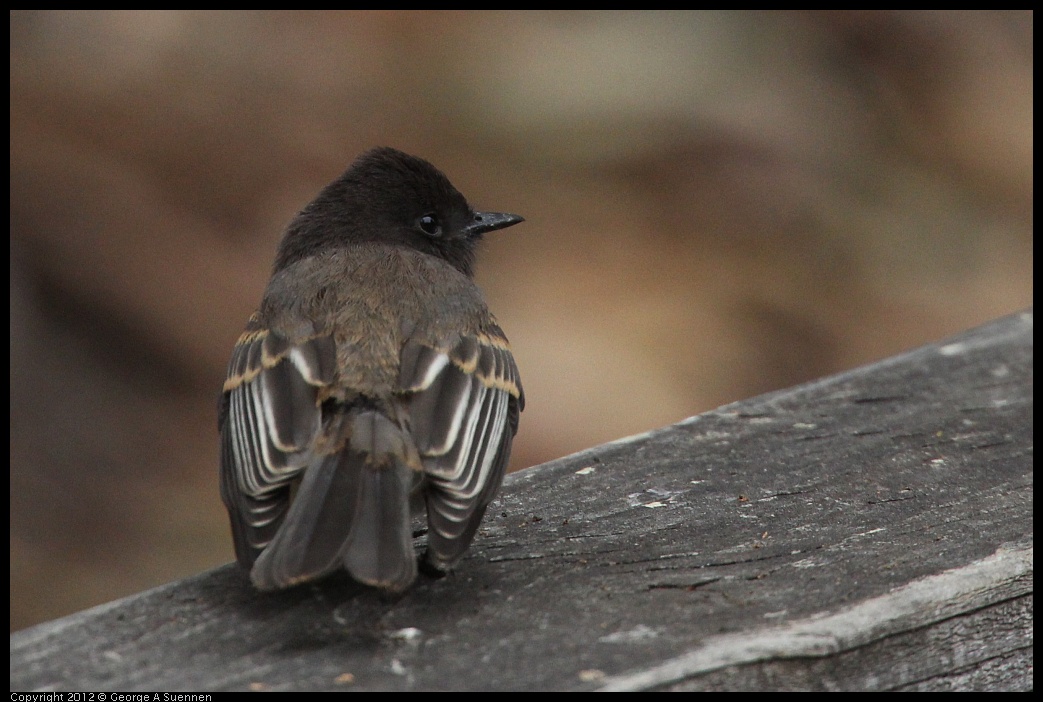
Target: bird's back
433	302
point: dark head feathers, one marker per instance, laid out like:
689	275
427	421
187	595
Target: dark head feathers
391	197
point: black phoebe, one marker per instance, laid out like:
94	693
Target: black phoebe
372	381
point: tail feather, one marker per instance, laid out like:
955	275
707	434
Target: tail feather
380	551
351	510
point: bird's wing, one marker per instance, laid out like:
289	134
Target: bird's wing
269	420
464	397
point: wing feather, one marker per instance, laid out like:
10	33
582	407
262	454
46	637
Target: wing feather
463	398
270	419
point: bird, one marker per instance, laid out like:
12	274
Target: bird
372	384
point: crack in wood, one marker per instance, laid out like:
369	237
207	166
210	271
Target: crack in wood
688	587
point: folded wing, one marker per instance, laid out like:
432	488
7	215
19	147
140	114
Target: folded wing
269	420
464	398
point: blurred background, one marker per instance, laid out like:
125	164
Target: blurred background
717	205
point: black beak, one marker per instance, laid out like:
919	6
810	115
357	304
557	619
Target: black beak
490	222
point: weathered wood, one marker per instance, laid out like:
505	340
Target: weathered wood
872	530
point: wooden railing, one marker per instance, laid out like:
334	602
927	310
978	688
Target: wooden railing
868	531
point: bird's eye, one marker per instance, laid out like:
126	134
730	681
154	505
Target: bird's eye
429	225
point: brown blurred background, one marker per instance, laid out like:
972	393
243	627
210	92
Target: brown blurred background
717	204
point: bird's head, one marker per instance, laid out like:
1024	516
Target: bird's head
389	196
